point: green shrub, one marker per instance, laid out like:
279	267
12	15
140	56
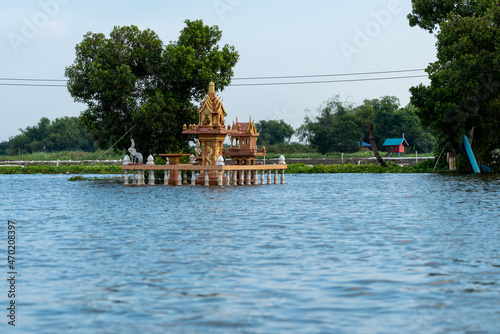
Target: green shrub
62	169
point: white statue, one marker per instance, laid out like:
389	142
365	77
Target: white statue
198	149
134	154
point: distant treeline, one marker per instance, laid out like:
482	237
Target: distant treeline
62	134
340	126
335	127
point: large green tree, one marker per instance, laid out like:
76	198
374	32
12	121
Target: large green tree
464	94
133	82
334	129
274	132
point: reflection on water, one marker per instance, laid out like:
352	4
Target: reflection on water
343	253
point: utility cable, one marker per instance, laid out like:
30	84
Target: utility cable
262	78
328	75
31	85
264	83
328	81
126	133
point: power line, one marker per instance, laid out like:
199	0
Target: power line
259	78
327	81
251	78
31	85
18	79
265	83
328	75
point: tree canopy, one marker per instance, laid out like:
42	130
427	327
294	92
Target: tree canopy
133	82
274	132
59	135
463	96
340	126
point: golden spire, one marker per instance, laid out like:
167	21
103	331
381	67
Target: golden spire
211	89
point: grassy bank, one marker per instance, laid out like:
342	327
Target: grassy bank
424	167
64	155
338	155
62	169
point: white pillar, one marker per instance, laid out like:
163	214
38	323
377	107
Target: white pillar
166	177
134	178
193	179
151	160
249	177
282	176
179	177
263	177
141	177
256	178
242	177
207	180
151	177
125	178
235	177
269	177
184	179
167	174
228	178
220	162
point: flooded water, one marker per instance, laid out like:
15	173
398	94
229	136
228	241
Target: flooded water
334	253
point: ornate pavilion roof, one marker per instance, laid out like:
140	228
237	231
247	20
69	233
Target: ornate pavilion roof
212	102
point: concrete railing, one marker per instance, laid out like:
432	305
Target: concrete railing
134	174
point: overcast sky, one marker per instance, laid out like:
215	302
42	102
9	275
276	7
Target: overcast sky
273	37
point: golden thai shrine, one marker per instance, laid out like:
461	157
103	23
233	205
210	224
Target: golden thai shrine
211	155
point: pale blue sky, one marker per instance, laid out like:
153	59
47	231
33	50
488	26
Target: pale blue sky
274	38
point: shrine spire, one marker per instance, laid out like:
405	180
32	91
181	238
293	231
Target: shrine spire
211	89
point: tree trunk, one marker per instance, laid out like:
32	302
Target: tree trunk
374	146
471	136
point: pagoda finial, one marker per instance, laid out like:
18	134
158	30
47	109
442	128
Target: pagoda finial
211	89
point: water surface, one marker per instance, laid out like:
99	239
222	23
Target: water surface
333	253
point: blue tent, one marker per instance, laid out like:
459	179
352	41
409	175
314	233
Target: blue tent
364	144
395	142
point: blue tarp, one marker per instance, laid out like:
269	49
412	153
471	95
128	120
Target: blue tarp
363	144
